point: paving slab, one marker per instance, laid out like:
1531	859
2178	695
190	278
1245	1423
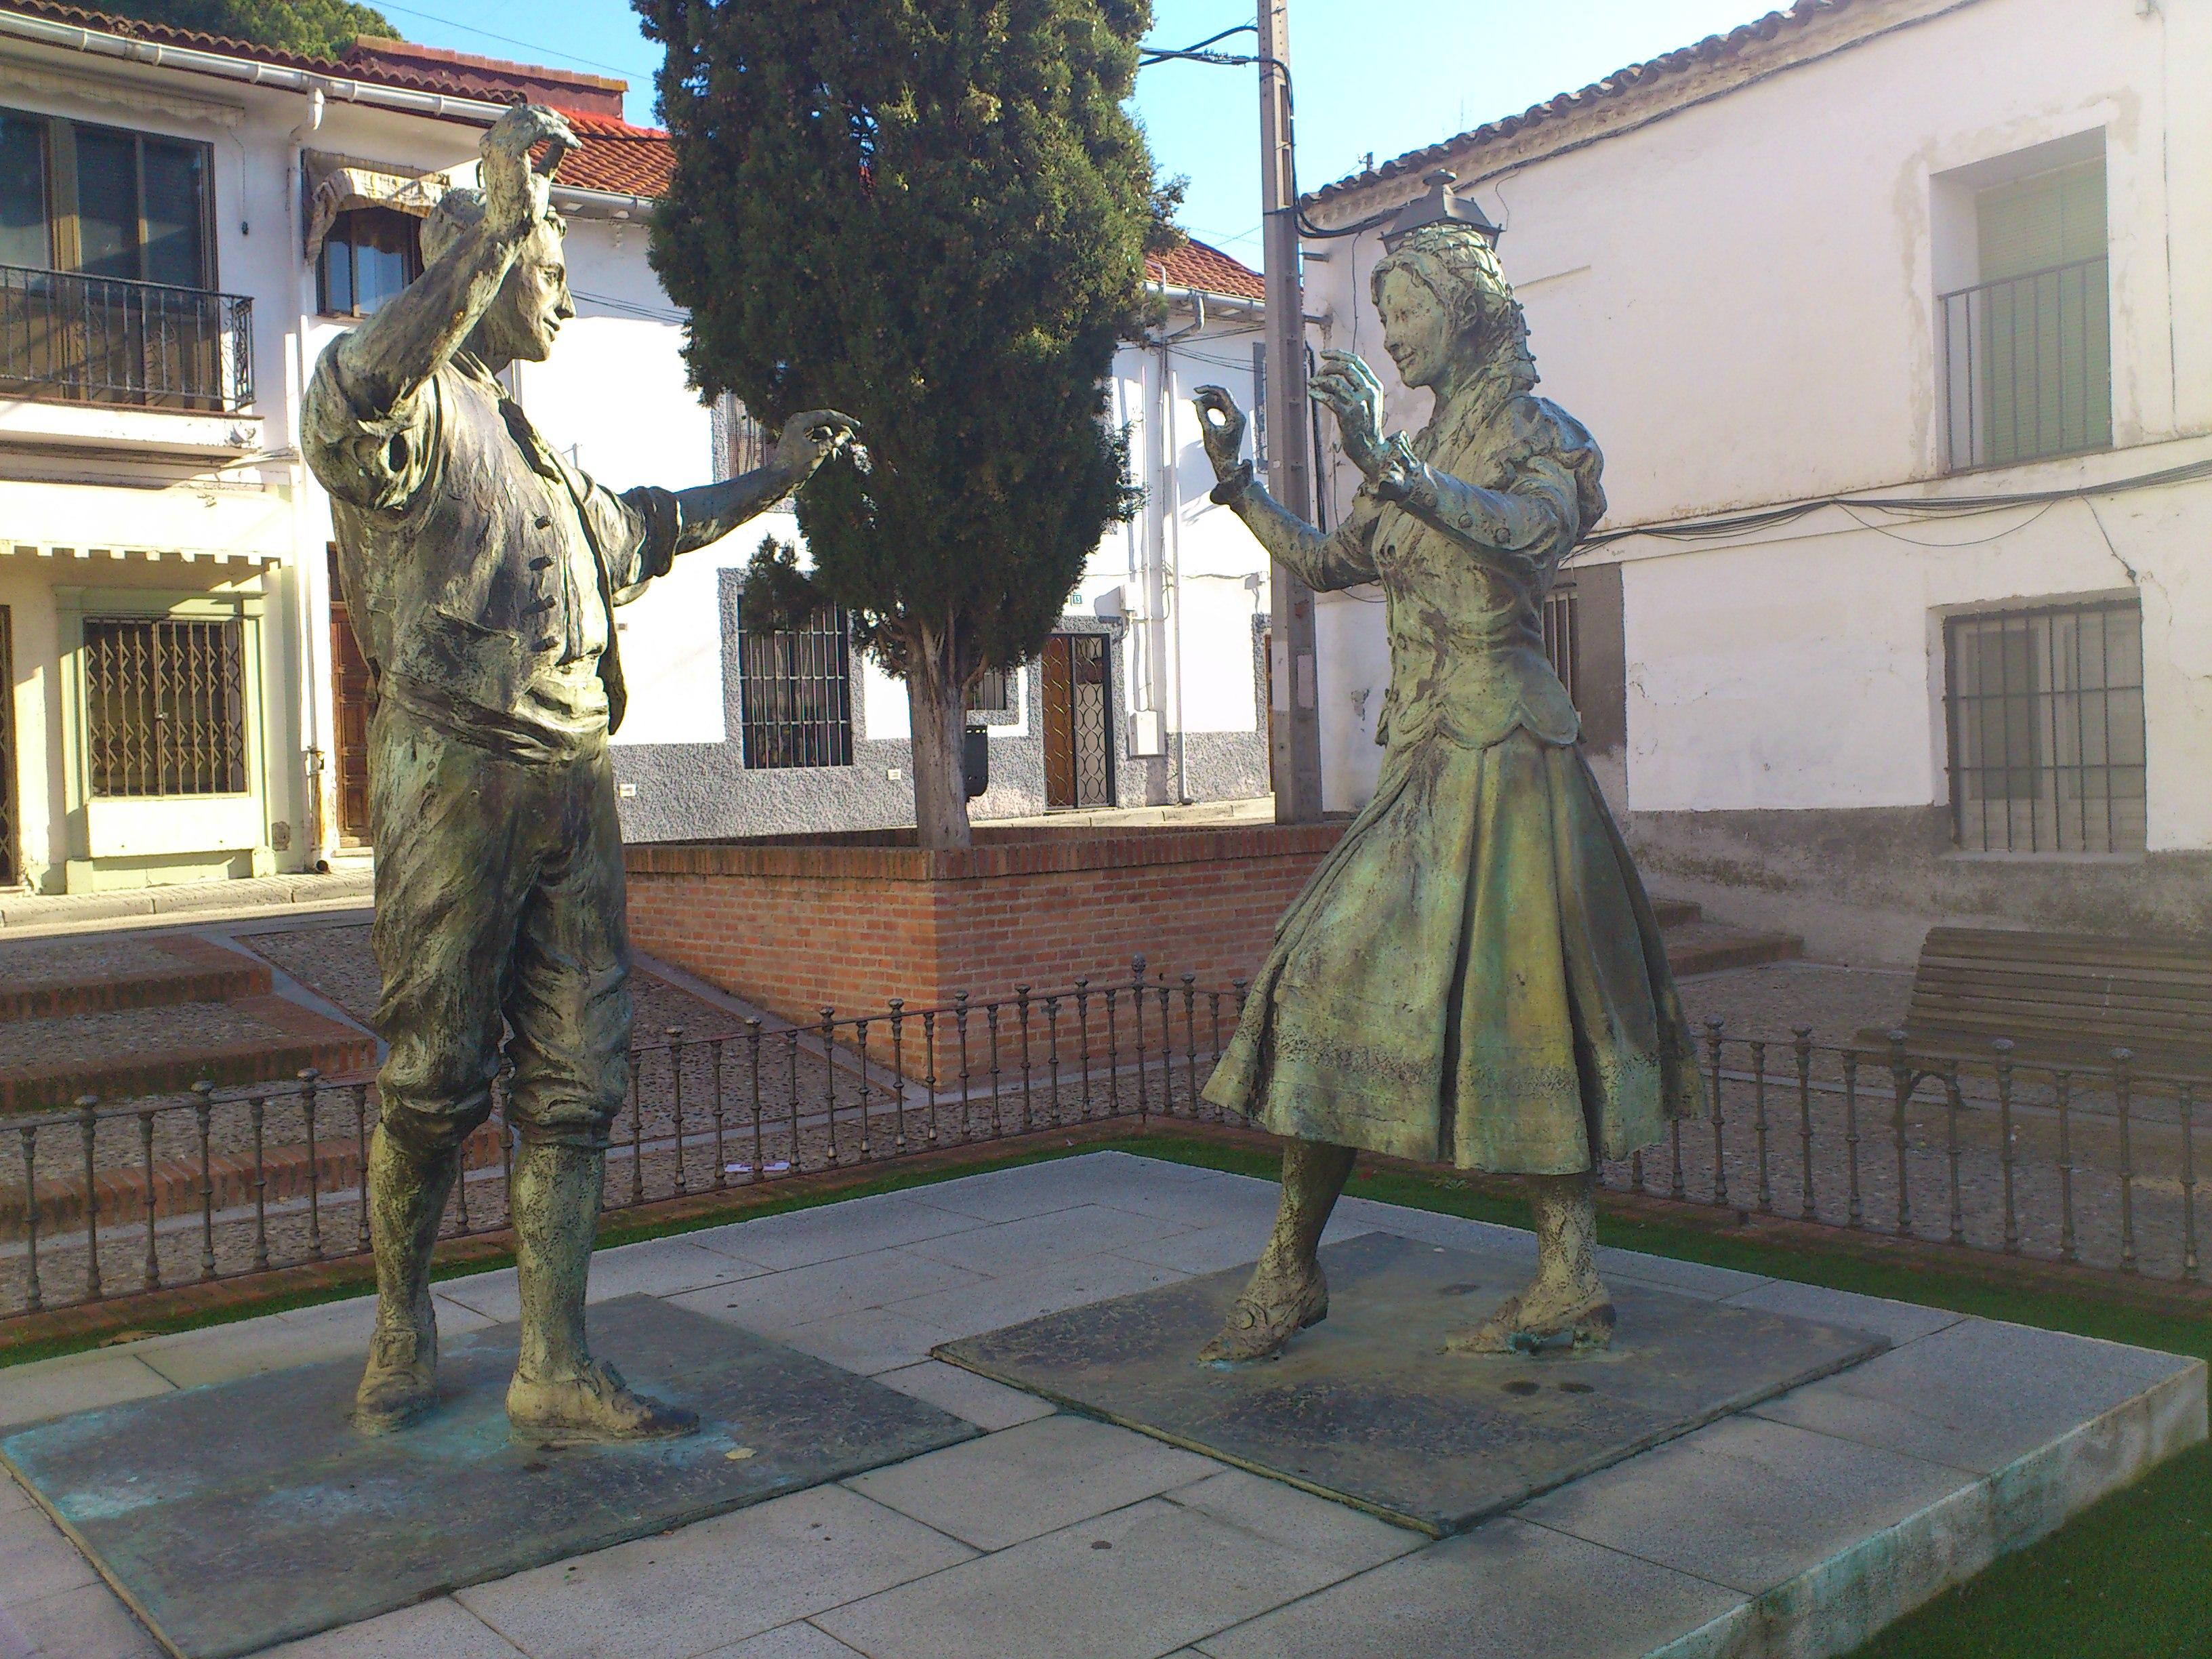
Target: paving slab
790	1641
1133	1584
76	1382
658	1266
1981	1394
1746	1502
859	1226
1030	1480
1506	1590
85	1623
1367	1408
249	1512
870	1342
248	1347
716	1583
36	1560
1015	1248
1901	1321
990	1303
989	1405
441	1629
823	1289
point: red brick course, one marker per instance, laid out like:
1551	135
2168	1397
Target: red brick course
306	1038
853	920
201	971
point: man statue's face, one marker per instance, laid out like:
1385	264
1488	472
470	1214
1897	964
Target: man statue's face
533	303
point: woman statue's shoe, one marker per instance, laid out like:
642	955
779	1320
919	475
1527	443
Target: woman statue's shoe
1268	1315
1522	1324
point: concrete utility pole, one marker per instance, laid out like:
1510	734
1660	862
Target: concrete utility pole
1295	760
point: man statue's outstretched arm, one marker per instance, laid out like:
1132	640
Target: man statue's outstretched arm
711	512
383	363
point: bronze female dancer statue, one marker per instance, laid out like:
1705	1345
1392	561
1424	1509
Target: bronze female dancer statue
1475	975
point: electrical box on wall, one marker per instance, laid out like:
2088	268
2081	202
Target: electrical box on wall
1148	734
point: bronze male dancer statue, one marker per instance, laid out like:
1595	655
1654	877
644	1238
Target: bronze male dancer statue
482	570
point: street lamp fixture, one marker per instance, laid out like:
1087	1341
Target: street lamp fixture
1439	206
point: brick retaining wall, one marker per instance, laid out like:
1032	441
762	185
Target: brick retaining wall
852	921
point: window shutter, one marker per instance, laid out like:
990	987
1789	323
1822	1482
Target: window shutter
2046	322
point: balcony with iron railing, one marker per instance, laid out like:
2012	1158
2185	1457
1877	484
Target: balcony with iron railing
72	338
2028	367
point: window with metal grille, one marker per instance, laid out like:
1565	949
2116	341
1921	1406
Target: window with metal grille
165	707
795	690
992	692
740	444
1561	645
2046	729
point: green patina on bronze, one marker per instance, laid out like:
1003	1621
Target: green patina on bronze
1474	975
244	1514
1366	1409
482	569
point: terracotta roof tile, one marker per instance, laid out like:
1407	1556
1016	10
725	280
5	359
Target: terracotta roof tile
380	62
618	158
1712	49
1195	264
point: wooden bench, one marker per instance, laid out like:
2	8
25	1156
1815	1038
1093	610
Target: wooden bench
2062	999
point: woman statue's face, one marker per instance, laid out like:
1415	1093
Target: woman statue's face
1416	331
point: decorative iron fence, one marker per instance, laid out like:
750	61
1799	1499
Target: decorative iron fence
2027	366
2093	1164
107	340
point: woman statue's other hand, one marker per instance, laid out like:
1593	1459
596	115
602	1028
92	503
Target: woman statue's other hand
1221	428
1348	387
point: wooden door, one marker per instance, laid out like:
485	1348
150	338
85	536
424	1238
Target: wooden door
351	692
1077	701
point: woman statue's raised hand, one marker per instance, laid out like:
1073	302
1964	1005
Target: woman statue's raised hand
1349	389
1221	428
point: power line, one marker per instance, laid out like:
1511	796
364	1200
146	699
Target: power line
504	40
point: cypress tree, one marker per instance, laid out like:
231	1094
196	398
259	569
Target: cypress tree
932	215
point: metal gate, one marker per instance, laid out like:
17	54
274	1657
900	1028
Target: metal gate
9	874
1079	751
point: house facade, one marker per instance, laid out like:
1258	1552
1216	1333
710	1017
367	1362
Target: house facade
185	223
1893	320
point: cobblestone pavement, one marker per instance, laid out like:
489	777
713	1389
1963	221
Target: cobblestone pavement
1773	1000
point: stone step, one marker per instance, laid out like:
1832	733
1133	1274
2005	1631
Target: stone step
1673	912
1709	947
52	978
121	1053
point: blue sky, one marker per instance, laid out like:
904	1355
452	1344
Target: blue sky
1455	64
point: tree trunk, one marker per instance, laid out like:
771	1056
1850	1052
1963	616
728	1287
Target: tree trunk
937	714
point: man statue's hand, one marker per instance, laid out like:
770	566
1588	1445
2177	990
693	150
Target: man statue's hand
1220	427
810	438
517	193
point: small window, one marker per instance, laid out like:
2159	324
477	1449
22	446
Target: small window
795	688
370	254
992	692
165	707
1562	643
2046	729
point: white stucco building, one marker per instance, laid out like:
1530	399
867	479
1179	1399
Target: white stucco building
1893	318
186	222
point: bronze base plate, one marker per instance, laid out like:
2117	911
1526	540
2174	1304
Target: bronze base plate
1366	1408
